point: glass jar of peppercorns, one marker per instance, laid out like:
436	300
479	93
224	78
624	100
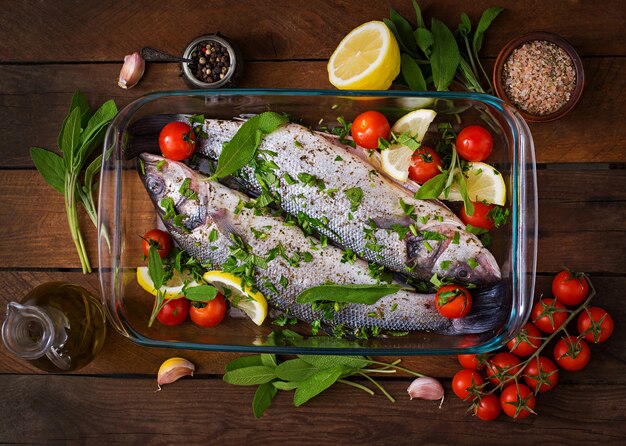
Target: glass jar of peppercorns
215	62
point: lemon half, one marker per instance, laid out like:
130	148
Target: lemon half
173	289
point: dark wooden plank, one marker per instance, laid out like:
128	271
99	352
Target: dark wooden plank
38	97
43	409
281	30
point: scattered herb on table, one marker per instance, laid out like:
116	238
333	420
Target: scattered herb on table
81	133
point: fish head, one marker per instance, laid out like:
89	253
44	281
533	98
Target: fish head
174	186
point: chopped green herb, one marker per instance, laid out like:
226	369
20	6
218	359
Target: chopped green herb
187	192
338	158
445	264
407	209
284	282
348	256
354	196
297	143
167	203
428	247
288	179
456	238
472	262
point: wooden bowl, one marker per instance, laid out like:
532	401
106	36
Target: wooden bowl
548	37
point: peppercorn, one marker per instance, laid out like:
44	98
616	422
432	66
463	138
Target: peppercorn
210	62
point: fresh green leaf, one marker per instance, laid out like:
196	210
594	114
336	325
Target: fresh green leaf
71	138
316	384
282	385
465	26
80	102
412	74
354	196
424	39
445	56
243	146
249	376
93	134
418	15
155	267
263	397
358	294
405	31
92	170
486	19
268	360
50	166
244	362
328	361
432	188
201	293
295	370
467	203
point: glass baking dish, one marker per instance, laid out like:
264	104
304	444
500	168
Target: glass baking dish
126	213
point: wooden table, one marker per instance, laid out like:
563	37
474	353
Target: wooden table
49	49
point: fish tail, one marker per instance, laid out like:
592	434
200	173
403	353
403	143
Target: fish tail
490	307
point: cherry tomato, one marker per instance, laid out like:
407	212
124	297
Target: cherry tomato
208	314
526	342
425	165
570	288
517	401
480	217
541	374
453	301
467	384
174	312
161	241
571	353
502	367
473	361
474	143
488	408
548	315
595	324
368	127
177	141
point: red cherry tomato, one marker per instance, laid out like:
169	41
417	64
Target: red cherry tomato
453	301
548	315
177	141
474	143
208	314
571	353
488	408
425	165
526	342
368	127
161	240
541	374
570	288
502	367
517	401
473	361
595	324
174	312
480	217
467	384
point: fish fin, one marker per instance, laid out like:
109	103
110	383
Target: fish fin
490	307
388	222
221	219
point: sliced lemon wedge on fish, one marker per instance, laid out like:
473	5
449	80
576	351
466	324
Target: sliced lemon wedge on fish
484	183
368	58
251	302
172	289
396	159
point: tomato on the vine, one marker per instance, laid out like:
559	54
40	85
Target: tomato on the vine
474	143
488	407
501	368
548	315
425	165
595	324
177	141
467	384
208	314
161	240
473	361
571	353
368	127
453	301
526	342
480	217
174	312
517	401
570	288
541	374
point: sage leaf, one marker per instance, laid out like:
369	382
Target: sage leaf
93	134
424	39
78	101
283	385
71	138
486	19
249	376
295	370
445	55
405	32
465	26
418	15
50	166
412	74
268	360
201	293
90	173
155	267
432	188
240	150
263	397
327	361
316	384
244	361
355	294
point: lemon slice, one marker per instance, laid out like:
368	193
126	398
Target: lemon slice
368	58
251	302
396	159
484	183
173	289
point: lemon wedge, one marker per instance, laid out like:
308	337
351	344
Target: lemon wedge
251	302
368	58
396	159
173	289
484	183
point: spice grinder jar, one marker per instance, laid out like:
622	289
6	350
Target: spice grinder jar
215	62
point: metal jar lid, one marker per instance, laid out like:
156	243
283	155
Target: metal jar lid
234	70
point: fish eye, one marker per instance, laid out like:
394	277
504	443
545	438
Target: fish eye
155	184
462	274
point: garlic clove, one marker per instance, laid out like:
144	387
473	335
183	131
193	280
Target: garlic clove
131	71
426	388
173	369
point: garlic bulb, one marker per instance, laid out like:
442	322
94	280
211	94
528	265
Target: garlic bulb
426	388
173	369
131	71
